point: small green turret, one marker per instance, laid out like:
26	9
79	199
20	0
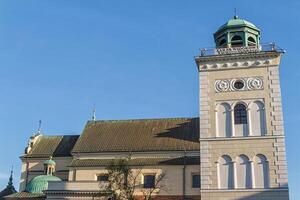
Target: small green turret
40	183
236	33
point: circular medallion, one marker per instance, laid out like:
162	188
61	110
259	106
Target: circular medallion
222	85
255	83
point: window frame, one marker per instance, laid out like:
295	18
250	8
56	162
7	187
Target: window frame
240	114
196	185
102	175
147	185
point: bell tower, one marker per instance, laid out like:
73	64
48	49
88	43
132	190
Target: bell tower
242	140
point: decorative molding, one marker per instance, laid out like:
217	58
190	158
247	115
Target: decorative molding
241	138
249	83
237	61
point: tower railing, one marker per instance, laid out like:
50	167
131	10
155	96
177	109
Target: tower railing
268	47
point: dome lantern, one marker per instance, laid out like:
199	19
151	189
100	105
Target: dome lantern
236	33
49	166
40	183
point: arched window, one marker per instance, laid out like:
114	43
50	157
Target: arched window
225	172
251	41
243	172
258	119
223	120
240	114
261	171
236	41
240	120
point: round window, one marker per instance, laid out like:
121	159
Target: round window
238	84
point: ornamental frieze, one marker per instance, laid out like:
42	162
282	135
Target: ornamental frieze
239	84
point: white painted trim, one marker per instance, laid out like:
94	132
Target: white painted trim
232	123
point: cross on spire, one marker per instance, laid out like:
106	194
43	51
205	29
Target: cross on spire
235	14
40	126
94	113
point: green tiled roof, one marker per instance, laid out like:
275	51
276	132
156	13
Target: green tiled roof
56	146
236	23
139	135
195	160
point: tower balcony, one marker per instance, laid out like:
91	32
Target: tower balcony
268	47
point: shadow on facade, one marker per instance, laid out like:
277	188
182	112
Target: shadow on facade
187	131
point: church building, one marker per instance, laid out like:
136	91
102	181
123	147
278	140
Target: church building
234	150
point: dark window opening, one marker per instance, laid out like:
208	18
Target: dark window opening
251	41
236	38
240	114
149	181
238	85
222	42
103	178
196	181
236	41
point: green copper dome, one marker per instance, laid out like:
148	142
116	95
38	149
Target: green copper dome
237	32
49	162
237	22
40	183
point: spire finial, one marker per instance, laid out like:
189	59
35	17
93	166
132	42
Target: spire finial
235	14
94	113
40	127
10	180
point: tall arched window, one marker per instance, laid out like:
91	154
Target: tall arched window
236	41
223	120
261	171
258	119
240	114
225	172
243	172
241	120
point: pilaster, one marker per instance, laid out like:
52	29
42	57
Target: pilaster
205	166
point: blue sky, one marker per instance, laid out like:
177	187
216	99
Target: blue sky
132	59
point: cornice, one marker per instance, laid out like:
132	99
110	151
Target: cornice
241	138
76	193
237	61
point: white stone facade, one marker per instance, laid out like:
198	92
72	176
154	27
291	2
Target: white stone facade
241	160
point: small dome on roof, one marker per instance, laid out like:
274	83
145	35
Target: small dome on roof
237	32
49	162
40	183
237	22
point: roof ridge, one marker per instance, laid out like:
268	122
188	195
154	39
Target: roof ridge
145	119
48	136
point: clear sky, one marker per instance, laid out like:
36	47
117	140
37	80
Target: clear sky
132	59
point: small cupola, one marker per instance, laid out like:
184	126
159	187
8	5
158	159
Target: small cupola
237	33
49	166
39	184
